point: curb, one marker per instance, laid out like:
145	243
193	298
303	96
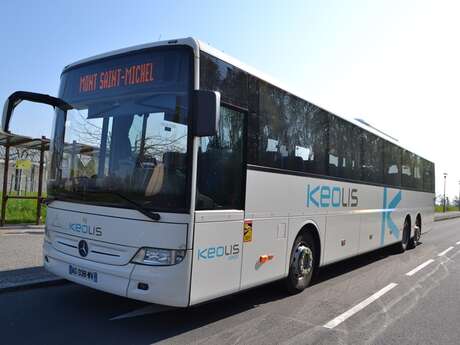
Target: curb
22	227
34	285
442	217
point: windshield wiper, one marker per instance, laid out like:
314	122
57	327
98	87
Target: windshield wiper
152	215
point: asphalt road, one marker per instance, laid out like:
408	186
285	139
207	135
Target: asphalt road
365	300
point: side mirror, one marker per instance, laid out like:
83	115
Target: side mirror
206	112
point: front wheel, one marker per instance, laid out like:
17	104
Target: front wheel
302	263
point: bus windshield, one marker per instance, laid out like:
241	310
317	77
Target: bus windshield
127	132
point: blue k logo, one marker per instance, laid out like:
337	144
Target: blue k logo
386	215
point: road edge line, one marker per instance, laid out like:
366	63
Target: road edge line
419	267
446	251
358	307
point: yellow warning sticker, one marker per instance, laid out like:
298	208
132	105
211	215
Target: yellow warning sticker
247	236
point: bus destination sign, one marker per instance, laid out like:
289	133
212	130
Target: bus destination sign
117	78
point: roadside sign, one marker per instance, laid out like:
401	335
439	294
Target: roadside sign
23	164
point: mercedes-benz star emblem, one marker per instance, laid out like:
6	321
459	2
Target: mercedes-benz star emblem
83	248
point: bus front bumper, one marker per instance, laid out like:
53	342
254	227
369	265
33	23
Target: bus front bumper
167	285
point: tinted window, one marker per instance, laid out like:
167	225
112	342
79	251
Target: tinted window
314	139
292	133
273	127
217	75
253	138
418	174
372	158
427	176
297	149
220	165
432	174
392	156
286	132
344	149
407	170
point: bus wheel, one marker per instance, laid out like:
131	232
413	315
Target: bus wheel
415	240
302	264
402	246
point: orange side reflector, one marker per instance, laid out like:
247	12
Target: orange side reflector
265	258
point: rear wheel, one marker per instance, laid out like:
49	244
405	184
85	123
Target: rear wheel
302	263
402	246
415	240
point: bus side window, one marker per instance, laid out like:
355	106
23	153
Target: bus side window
407	170
392	155
427	176
372	158
418	176
220	165
344	149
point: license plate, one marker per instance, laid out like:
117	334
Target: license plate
82	273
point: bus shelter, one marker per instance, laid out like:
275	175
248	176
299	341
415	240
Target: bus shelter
8	140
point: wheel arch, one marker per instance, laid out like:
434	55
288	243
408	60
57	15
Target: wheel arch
418	219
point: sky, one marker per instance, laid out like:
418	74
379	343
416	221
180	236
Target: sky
393	63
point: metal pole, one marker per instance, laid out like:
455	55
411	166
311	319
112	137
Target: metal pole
458	199
40	181
72	160
5	182
444	199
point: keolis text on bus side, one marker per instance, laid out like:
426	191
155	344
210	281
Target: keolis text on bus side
331	196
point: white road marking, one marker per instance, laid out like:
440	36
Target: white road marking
458	242
150	309
350	312
446	251
419	267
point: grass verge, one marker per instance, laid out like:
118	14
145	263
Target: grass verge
438	208
21	211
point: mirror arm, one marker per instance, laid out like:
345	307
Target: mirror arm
17	97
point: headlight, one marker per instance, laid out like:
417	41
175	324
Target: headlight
158	257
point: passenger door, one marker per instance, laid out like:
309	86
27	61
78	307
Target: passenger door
218	233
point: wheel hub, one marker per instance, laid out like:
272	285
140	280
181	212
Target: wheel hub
303	260
417	234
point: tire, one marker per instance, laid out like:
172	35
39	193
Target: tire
415	240
402	246
302	263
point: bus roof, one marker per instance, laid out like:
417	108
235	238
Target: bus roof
269	79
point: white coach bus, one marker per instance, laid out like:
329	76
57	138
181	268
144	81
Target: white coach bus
179	175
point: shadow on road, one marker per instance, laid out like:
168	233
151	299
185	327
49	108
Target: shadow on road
342	267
